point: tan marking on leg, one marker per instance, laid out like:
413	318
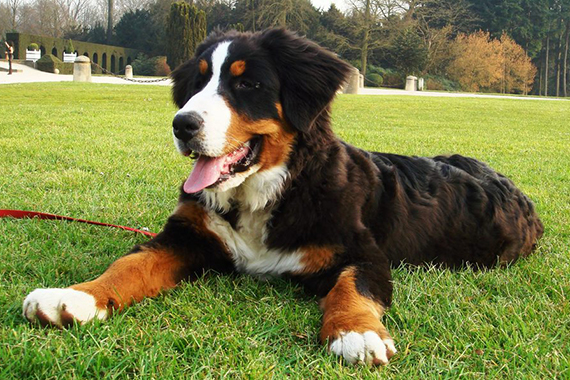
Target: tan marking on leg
237	68
133	277
344	309
351	323
317	258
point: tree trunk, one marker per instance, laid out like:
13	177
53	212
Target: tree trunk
365	37
565	61
558	58
13	17
540	76
546	66
110	21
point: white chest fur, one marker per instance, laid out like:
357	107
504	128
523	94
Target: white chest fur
247	245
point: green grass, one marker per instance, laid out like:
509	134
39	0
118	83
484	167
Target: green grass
104	152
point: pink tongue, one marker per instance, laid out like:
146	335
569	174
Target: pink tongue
206	172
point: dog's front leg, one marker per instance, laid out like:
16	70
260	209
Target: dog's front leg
185	248
351	318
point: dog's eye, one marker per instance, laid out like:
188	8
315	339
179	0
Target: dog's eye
247	85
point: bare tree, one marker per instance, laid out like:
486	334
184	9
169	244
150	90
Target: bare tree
286	13
368	14
14	6
436	22
5	18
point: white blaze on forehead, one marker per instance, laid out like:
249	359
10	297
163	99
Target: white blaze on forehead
211	106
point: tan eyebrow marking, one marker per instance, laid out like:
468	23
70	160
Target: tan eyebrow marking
203	65
237	68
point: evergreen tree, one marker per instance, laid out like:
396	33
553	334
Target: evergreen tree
186	29
136	30
408	52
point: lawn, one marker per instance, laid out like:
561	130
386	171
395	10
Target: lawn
105	152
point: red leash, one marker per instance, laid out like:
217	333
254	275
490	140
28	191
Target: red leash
19	214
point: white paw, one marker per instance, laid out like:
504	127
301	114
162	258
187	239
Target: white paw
366	348
61	307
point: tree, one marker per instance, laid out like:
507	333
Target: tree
408	52
518	71
96	34
5	19
186	29
366	15
484	63
335	31
110	6
136	30
297	15
14	8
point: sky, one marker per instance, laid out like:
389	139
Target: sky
325	4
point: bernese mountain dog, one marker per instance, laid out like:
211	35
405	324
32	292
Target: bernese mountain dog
273	191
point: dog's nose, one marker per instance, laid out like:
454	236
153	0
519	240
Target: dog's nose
186	125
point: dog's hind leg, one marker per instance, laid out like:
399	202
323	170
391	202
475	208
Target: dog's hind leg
185	248
351	320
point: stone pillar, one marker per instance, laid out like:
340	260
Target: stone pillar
82	69
353	83
411	83
421	84
129	72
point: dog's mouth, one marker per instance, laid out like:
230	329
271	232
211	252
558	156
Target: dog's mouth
209	172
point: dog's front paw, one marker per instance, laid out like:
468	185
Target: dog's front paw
61	307
366	348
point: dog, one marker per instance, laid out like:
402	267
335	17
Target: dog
273	192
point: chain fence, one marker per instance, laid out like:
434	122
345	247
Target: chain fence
129	79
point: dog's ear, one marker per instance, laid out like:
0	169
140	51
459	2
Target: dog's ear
310	75
182	81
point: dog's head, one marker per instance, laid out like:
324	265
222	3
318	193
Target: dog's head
244	98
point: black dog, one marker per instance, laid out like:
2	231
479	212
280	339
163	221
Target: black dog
274	191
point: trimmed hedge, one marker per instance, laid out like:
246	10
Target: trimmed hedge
47	44
49	63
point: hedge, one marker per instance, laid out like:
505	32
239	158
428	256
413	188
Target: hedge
22	41
49	63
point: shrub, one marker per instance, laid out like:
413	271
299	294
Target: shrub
49	63
438	83
394	79
143	65
33	46
374	80
69	47
161	68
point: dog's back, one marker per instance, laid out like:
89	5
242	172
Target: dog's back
450	210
